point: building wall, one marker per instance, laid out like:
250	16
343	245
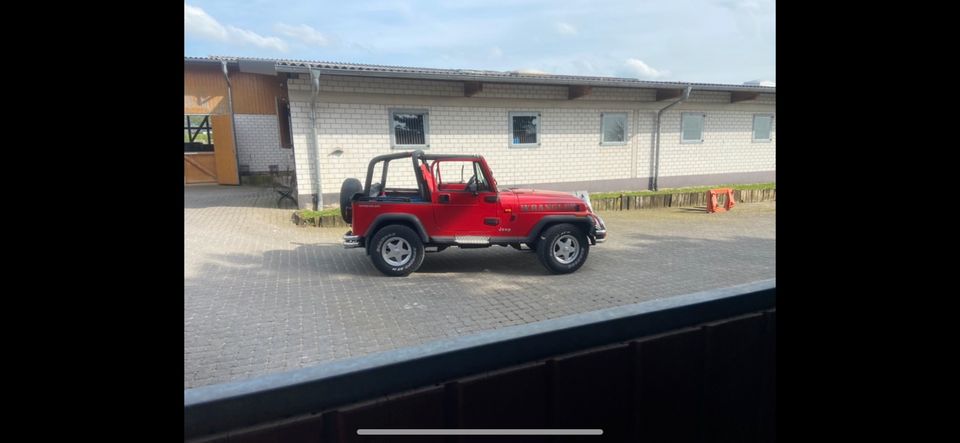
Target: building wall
258	140
728	145
353	117
255	107
371	85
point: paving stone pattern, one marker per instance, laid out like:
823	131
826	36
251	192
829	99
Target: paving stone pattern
262	295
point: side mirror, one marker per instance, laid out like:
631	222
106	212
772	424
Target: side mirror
472	185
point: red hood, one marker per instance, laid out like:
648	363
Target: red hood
527	196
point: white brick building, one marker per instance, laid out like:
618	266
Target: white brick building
342	115
258	143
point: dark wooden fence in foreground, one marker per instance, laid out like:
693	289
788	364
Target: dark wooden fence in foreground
698	368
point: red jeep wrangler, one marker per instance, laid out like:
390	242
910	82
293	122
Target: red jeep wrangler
398	225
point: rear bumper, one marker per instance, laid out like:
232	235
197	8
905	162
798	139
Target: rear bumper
350	240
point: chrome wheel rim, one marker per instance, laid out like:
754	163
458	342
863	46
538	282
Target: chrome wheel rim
566	249
396	252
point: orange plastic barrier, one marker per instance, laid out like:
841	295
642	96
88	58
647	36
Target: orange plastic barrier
712	196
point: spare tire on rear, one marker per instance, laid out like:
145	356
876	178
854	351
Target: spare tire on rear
348	189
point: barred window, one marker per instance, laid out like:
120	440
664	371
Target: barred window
409	128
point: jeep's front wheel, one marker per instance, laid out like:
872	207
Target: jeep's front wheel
397	250
562	248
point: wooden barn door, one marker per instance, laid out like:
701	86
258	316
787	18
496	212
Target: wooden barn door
224	150
199	167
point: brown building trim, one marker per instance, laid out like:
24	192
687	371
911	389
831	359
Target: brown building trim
256	94
204	90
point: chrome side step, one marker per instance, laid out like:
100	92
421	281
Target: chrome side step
471	240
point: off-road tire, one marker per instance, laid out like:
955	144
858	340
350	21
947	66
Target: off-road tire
553	248
348	189
389	243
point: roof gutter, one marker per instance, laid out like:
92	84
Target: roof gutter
233	121
519	79
656	148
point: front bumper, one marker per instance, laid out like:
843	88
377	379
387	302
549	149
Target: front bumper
350	240
599	229
600	235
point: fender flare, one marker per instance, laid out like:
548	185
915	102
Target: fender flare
388	217
553	219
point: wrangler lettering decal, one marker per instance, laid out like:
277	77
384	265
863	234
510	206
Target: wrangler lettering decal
550	207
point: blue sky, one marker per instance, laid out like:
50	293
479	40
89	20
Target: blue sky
717	41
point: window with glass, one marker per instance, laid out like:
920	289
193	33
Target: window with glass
762	128
524	129
285	123
197	133
409	128
613	128
691	127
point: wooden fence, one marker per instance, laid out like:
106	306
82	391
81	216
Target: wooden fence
620	203
682	199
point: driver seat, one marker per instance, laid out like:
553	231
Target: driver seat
428	179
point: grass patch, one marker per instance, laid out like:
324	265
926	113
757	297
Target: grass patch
307	214
601	195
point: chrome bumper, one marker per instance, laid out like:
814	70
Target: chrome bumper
599	229
350	240
601	235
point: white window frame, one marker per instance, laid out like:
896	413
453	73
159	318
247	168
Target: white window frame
538	115
703	127
753	131
426	127
626	129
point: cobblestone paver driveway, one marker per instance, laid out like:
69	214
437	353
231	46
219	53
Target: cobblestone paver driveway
262	295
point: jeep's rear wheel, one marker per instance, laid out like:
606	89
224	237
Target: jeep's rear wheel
563	248
397	250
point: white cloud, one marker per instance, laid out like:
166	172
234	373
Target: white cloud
245	36
197	22
565	28
496	52
644	70
303	33
752	17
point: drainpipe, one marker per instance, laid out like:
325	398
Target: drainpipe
315	87
233	121
656	149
